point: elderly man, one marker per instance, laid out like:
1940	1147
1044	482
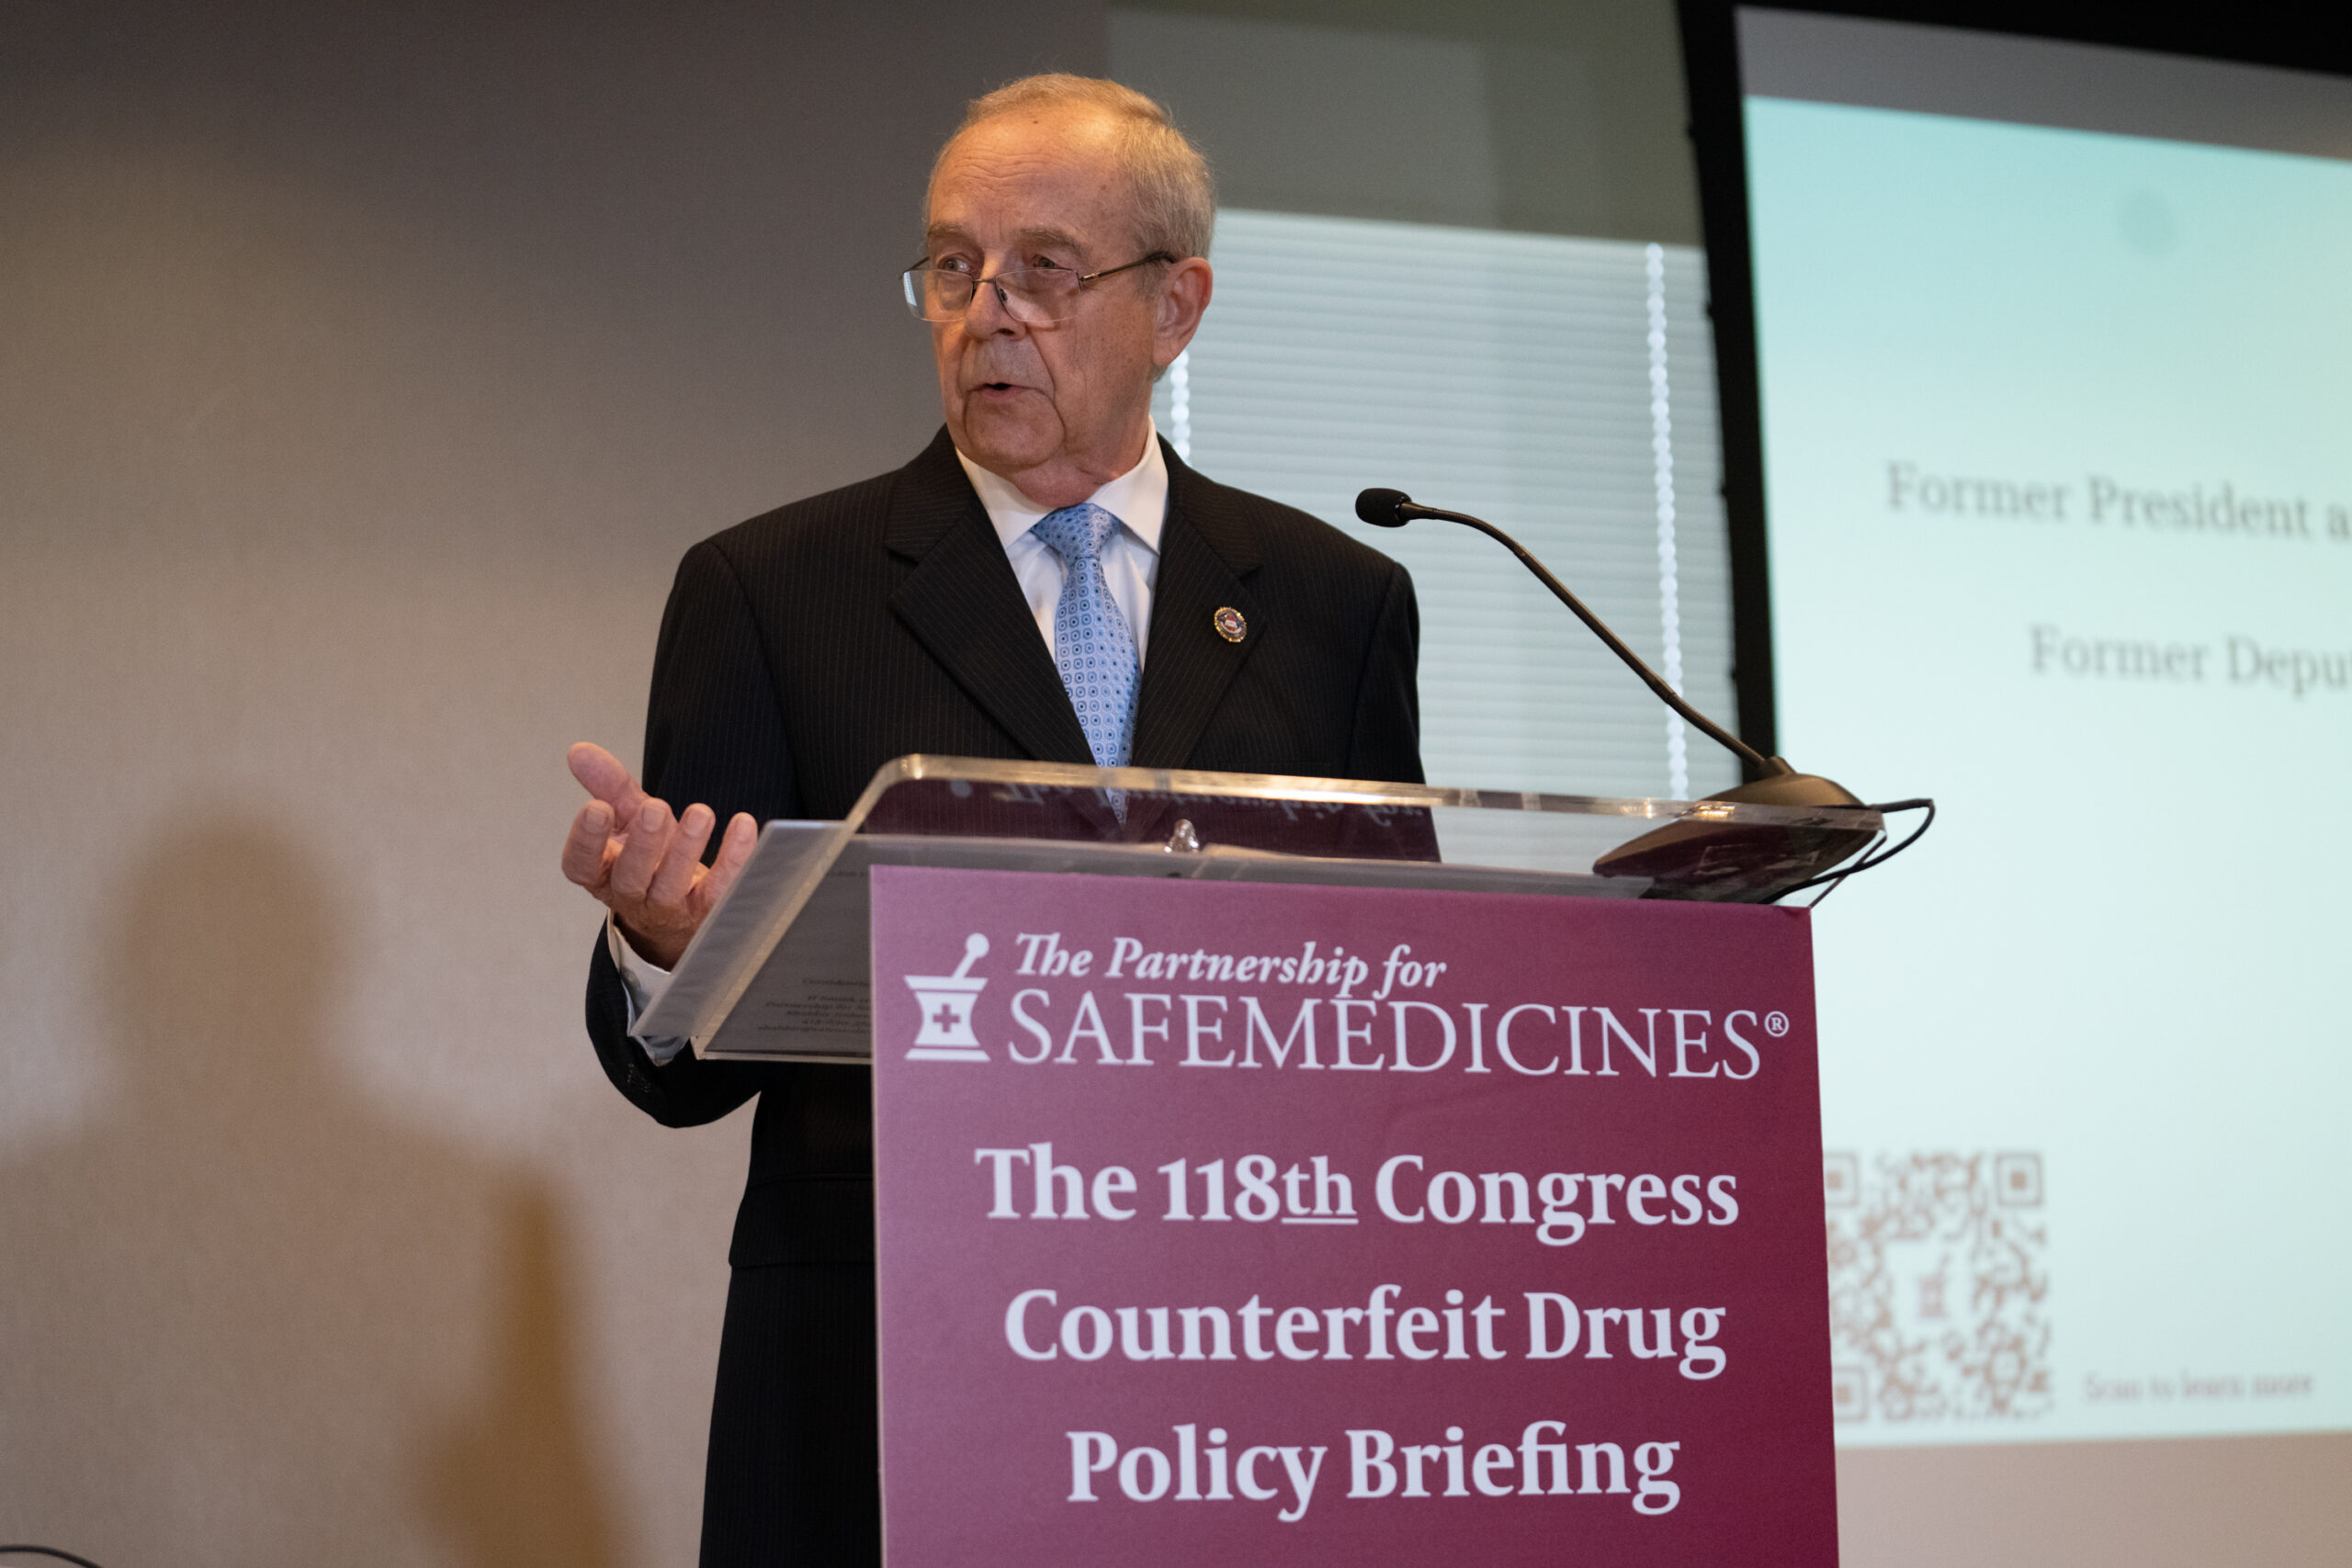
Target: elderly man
1047	580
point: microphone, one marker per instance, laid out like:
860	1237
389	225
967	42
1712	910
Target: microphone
1778	784
1388	508
1695	858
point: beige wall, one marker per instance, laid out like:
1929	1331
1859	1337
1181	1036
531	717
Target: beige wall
363	372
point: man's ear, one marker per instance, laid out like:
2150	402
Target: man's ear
1182	297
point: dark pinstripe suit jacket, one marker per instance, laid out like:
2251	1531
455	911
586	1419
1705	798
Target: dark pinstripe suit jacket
806	648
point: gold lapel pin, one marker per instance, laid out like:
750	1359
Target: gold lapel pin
1229	624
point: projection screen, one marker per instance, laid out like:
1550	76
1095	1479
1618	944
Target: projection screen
2053	349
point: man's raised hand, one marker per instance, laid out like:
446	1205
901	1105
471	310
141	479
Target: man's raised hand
645	864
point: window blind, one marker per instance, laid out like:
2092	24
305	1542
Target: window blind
1562	389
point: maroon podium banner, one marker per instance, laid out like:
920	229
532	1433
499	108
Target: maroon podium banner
1253	1224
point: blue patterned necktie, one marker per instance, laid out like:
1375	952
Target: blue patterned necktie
1093	648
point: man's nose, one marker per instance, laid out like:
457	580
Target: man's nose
987	315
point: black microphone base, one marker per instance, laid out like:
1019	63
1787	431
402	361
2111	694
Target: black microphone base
1742	862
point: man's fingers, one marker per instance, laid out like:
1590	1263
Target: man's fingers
605	776
626	848
584	847
675	876
649	836
734	854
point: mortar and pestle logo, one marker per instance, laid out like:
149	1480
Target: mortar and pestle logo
946	1002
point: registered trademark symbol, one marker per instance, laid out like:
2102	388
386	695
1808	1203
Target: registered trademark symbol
1776	1024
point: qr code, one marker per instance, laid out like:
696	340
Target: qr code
1938	1286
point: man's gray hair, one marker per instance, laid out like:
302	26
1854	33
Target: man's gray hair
1175	197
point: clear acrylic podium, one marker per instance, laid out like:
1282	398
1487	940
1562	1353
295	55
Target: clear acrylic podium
782	971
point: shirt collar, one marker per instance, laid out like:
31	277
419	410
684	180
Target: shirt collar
1139	498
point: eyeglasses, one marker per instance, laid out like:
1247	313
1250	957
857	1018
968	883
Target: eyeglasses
1034	296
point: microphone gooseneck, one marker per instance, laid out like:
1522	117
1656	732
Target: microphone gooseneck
1777	782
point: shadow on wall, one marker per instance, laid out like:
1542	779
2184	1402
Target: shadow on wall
246	1320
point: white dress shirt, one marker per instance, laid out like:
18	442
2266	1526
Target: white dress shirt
1138	498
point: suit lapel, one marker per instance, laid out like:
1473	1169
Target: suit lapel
1206	551
965	607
